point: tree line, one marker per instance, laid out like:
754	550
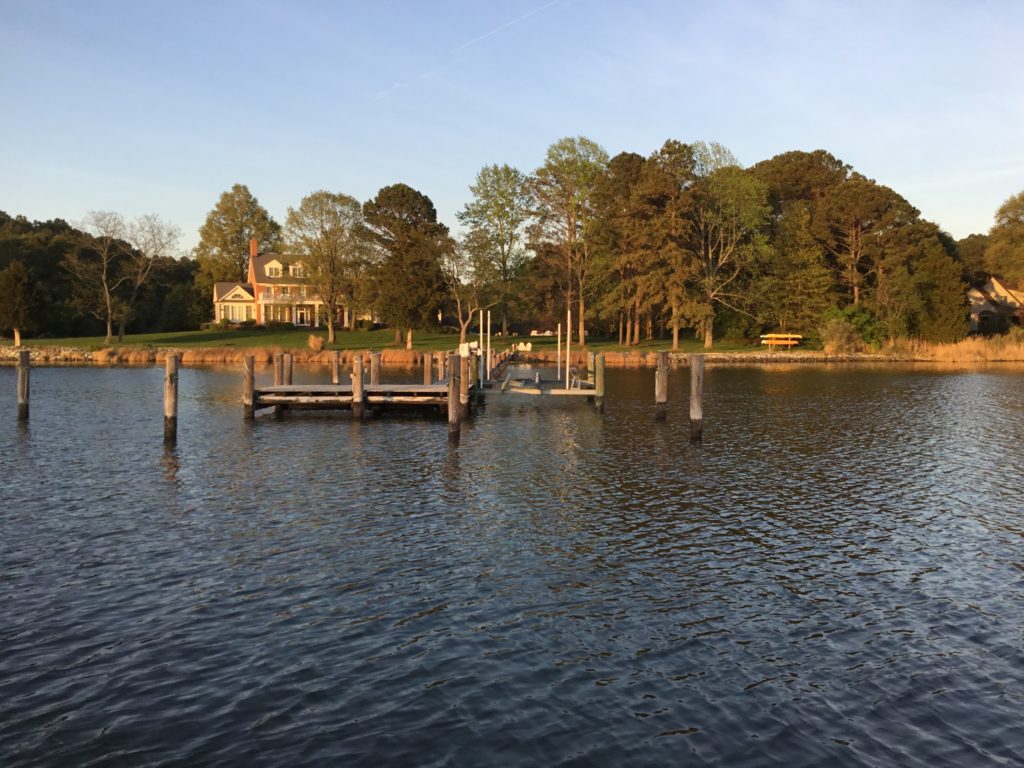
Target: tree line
638	247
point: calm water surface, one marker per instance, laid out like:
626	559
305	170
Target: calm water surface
835	577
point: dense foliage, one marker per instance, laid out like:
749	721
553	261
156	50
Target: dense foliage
683	240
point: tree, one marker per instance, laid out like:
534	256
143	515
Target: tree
725	213
152	239
410	242
799	175
795	288
17	300
917	285
667	176
327	233
223	249
465	269
971	250
501	205
1004	254
621	237
564	188
97	268
852	218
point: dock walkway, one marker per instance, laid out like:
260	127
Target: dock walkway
341	395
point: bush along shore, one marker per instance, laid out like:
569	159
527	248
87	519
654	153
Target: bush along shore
973	350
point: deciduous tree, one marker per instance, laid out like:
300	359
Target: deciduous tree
97	268
1004	254
564	188
151	239
327	232
223	249
725	214
501	206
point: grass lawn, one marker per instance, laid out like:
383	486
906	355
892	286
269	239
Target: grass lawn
378	339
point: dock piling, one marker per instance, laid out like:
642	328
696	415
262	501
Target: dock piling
463	386
357	387
278	369
453	398
249	388
288	368
661	387
696	398
374	368
23	390
599	382
428	368
336	367
171	399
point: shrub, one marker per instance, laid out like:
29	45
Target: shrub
867	327
315	343
279	326
839	336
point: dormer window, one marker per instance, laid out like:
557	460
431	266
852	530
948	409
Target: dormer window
273	271
297	270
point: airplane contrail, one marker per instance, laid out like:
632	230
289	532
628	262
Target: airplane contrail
505	26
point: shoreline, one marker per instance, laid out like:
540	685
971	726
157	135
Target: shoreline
127	356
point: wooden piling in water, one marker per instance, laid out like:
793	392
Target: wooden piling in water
661	387
474	377
591	367
288	368
696	398
23	389
278	369
171	399
374	368
357	387
453	397
249	388
336	367
463	387
440	366
599	382
428	368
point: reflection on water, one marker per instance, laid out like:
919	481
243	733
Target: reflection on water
833	577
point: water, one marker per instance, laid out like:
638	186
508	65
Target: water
835	577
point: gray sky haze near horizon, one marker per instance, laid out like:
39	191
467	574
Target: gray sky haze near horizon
158	107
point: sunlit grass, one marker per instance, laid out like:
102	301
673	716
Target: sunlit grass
376	339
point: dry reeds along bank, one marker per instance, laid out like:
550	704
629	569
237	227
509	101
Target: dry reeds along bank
1006	348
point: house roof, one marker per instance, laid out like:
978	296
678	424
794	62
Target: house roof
221	290
260	270
998	286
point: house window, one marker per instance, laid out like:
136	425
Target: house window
273	271
297	270
284	290
248	312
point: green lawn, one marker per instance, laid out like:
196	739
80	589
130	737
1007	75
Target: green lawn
378	339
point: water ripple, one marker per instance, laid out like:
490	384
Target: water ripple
832	577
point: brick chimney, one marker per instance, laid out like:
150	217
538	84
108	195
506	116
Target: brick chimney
254	248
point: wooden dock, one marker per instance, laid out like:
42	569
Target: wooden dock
533	381
340	396
462	383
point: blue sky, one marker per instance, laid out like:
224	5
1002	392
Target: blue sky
159	107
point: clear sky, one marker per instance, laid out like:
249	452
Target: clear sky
141	106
